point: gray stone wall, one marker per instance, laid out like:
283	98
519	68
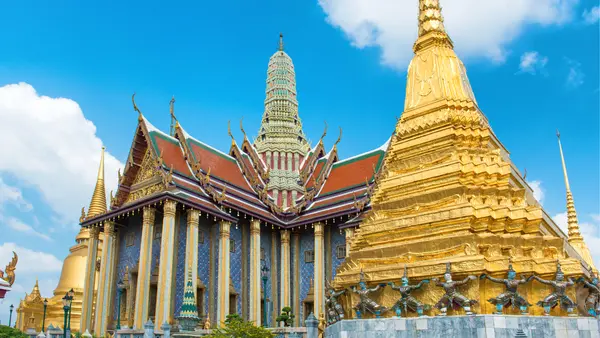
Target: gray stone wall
478	326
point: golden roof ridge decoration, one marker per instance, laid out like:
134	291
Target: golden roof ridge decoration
9	270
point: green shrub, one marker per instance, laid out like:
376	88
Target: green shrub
9	332
286	316
239	328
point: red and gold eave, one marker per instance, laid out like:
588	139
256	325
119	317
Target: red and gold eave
227	185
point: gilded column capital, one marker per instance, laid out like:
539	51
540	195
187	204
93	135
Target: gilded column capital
285	236
349	233
193	217
224	229
169	207
255	227
318	229
94	232
109	229
148	215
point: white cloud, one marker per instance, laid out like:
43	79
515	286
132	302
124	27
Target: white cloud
13	195
575	76
18	225
591	16
532	63
589	230
479	28
50	145
30	261
538	190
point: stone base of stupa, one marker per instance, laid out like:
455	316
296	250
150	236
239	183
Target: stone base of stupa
476	326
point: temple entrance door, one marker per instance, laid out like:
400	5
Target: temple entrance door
232	304
308	309
200	302
152	302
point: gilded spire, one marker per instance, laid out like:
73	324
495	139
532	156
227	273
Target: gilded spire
431	25
575	238
98	204
437	78
573	225
281	42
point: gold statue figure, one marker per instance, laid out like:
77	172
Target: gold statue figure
452	297
365	303
592	301
559	295
10	270
510	295
407	301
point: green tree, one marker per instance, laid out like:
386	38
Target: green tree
9	332
238	328
286	316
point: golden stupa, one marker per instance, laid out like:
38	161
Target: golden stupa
449	193
30	310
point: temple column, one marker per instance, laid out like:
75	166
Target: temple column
191	246
165	272
349	235
88	284
285	270
255	313
144	270
296	297
319	284
105	282
274	281
224	273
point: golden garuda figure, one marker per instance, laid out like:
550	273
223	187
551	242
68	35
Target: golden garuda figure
452	297
510	296
407	301
335	311
365	303
560	286
592	301
9	271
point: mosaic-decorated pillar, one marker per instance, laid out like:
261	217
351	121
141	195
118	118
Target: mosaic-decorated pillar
319	283
106	280
296	267
349	235
285	270
144	270
255	313
191	246
166	278
274	281
224	273
90	277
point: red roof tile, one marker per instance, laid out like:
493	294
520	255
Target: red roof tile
352	172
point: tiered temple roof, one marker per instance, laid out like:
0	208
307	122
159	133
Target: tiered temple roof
227	184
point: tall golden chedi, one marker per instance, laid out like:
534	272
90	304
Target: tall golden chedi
448	192
72	276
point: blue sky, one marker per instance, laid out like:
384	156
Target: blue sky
533	66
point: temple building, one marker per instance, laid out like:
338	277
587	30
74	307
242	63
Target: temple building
267	223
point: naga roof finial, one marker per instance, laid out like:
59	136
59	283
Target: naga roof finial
339	138
242	127
135	107
324	132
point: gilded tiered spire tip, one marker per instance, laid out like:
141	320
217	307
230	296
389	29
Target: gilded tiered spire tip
431	25
98	203
281	42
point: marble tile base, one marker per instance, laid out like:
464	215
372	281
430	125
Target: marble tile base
477	326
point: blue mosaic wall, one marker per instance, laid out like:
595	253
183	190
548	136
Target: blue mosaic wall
278	265
265	244
235	259
127	255
307	242
246	239
204	259
156	242
337	239
180	277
